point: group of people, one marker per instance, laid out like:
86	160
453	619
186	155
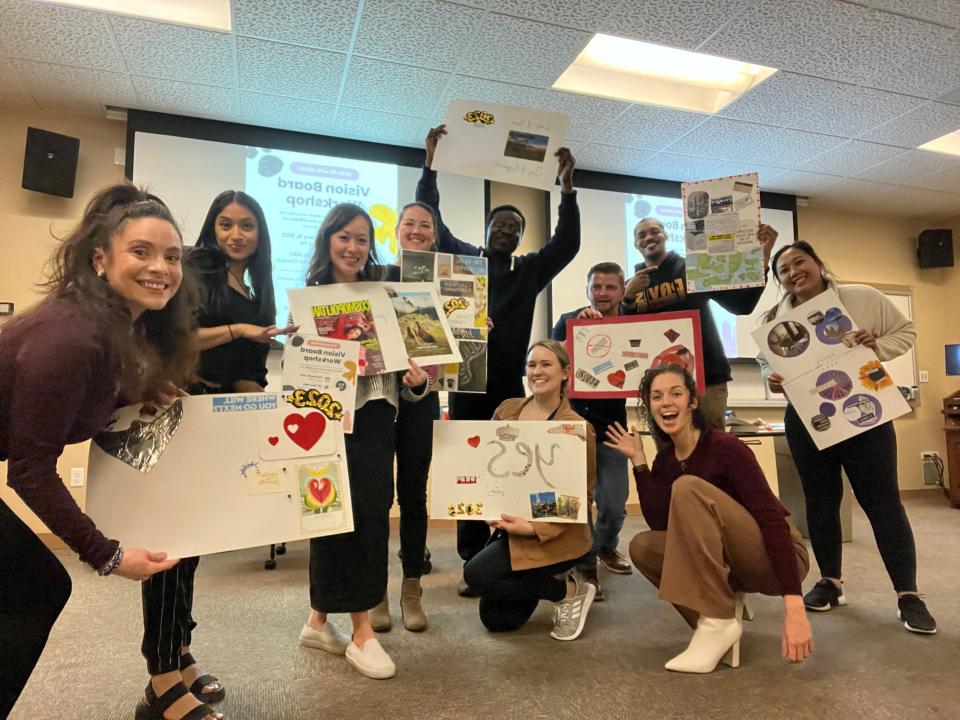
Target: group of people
132	315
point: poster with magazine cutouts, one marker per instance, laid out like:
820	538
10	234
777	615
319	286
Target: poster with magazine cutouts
233	471
838	388
461	281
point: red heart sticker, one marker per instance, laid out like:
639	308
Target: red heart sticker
273	439
617	379
474	441
305	430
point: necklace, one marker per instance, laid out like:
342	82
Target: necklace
239	279
683	461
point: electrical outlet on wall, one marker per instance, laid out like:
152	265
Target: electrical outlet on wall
924	376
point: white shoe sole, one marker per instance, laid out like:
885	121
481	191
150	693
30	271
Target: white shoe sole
912	629
829	606
591	593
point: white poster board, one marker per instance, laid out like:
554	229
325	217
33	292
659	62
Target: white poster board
529	469
391	321
838	388
462	282
501	142
219	472
720	222
321	372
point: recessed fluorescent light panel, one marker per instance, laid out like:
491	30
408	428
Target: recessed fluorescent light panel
211	14
949	144
640	72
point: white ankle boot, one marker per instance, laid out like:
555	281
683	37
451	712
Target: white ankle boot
714	641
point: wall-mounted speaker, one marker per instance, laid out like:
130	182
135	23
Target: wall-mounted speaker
50	162
935	248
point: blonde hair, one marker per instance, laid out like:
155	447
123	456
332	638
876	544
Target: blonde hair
558	349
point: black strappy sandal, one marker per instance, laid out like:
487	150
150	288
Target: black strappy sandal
214	696
153	707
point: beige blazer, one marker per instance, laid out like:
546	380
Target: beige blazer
554	542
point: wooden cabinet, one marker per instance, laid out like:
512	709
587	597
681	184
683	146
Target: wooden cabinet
951	428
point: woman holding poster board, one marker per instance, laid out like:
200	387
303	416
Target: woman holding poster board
869	459
527	562
116	322
348	572
716	529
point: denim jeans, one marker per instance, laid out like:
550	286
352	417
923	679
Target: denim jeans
610	496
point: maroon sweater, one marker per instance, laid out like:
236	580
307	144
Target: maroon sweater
57	387
724	461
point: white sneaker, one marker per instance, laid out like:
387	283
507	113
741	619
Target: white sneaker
371	660
330	639
570	615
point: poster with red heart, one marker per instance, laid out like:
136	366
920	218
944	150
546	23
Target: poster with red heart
242	470
608	357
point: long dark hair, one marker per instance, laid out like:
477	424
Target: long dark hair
699	420
806	248
156	348
209	262
320	270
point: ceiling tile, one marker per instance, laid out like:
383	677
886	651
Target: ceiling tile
806	103
324	24
945	12
910	167
13	93
175	52
851	157
797	182
370	125
677	23
682	168
186	98
54	34
588	16
918	126
609	158
284	112
946	180
848	191
381	85
417	32
71	88
646	126
911	202
525	52
306	73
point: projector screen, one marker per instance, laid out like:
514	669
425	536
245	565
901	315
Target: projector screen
295	189
607	220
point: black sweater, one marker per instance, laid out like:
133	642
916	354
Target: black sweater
668	293
515	281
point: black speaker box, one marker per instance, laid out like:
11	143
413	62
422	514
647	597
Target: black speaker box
935	248
50	162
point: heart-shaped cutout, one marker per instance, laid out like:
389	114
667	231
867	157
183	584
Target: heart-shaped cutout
474	441
617	379
273	439
305	430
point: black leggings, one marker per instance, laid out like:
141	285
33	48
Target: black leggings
870	461
414	452
168	615
508	597
34	589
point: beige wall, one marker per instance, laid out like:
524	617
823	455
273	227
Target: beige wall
28	218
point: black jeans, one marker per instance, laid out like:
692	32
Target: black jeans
168	623
34	590
508	597
348	572
414	452
472	535
870	460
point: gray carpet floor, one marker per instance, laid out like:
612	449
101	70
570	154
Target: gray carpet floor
865	664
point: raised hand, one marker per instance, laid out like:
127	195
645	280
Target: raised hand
627	442
565	171
433	137
415	376
767	237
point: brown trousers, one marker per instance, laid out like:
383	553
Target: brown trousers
711	549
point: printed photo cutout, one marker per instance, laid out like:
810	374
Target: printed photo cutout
320	492
471	374
421	328
417	266
821	422
788	339
862	410
543	505
568	507
292	433
352	321
139	441
834	327
698	205
833	385
875	377
526	146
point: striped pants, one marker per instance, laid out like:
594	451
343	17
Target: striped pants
168	616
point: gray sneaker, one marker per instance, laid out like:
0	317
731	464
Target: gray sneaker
569	616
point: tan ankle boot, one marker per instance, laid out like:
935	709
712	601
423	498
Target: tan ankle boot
414	618
380	616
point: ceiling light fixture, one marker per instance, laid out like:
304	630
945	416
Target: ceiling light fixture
949	144
640	72
210	14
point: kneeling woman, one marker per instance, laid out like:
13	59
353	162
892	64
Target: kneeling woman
717	530
527	562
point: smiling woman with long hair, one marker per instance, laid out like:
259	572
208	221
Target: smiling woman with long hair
115	325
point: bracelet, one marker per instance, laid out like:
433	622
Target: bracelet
230	330
642	467
112	564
